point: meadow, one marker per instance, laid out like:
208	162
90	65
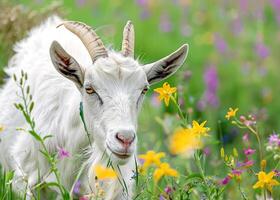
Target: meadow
211	130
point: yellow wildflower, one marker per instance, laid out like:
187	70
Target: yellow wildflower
151	158
199	129
165	92
164	170
231	113
103	173
183	141
2	128
266	181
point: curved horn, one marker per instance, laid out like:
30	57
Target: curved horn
128	40
89	38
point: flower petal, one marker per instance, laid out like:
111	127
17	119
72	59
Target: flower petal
259	184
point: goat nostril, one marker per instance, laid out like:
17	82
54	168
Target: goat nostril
123	140
119	138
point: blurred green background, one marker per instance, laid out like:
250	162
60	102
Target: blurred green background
234	51
233	58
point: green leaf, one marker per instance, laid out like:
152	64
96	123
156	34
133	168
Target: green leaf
136	172
20	106
9	177
35	135
15	77
83	120
28	89
194	176
31	106
50	184
47	136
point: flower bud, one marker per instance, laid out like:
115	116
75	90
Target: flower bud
263	165
269	148
242	118
235	152
222	151
276	157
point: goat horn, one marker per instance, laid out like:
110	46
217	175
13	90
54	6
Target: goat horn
128	40
89	38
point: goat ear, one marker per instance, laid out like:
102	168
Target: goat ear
66	64
166	66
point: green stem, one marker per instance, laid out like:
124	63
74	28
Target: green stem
77	177
41	141
258	139
181	115
197	161
52	163
241	191
277	164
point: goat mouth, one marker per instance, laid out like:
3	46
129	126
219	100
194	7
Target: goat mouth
119	154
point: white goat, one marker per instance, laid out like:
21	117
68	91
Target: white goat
111	86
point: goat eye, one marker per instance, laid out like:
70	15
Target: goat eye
90	90
145	90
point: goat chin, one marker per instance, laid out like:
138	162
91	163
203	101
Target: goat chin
57	113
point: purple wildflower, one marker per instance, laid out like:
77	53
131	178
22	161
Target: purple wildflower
225	180
201	104
261	50
274	140
245	138
187	75
155	101
62	153
161	197
186	30
168	190
259	12
145	14
243	6
83	198
248	122
142	3
210	95
276	4
237	26
206	151
77	187
249	151
211	98
80	3
262	72
141	161
211	78
165	23
276	7
181	101
220	43
277	172
236	172
246	163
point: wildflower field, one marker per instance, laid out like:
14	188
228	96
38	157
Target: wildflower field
212	130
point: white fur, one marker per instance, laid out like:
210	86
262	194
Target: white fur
117	79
